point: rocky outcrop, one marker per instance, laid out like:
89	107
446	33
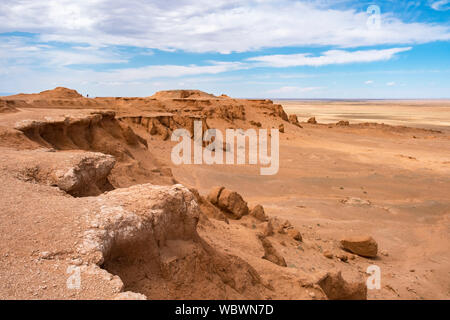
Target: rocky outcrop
182	94
270	253
258	212
352	201
229	201
232	202
146	234
207	208
312	120
364	246
336	288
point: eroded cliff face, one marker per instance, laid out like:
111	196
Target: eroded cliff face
147	235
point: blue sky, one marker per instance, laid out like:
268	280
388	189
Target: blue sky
257	48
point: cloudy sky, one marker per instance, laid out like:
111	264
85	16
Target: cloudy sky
254	48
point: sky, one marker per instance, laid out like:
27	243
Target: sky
307	49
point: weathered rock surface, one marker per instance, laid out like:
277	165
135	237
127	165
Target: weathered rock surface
233	203
295	234
75	172
128	295
147	235
343	123
364	246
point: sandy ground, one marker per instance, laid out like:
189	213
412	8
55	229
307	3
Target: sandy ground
414	113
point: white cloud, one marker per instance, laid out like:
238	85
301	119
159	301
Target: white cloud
327	58
208	26
369	82
170	71
390	84
441	5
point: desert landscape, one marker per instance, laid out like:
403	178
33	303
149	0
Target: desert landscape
89	189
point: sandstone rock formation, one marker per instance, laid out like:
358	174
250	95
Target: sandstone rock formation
208	208
312	120
294	120
147	235
364	246
270	253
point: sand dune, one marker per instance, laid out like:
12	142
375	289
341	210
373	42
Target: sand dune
89	184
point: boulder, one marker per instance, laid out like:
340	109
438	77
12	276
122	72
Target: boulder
129	295
256	123
343	123
258	213
88	177
328	254
207	208
364	246
268	229
270	253
294	120
336	288
312	120
295	234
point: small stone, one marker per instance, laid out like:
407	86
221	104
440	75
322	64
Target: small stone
342	257
312	120
336	288
258	213
45	255
295	234
328	254
270	253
